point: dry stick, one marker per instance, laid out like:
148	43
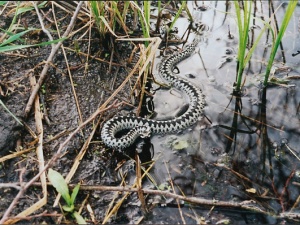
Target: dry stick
44	214
92	214
156	42
59	151
54	49
172	185
89	45
68	7
295	204
284	190
39	153
242	205
40	156
15	154
11	185
69	71
143	84
4	7
72	85
42	24
93	57
110	212
247	205
62	146
21	152
51	161
78	159
196	200
139	183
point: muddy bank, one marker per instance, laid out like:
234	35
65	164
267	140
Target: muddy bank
244	149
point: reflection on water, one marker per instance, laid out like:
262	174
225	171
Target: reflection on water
246	145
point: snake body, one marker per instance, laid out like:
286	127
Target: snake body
143	127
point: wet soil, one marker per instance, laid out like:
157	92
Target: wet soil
244	148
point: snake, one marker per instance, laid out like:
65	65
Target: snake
144	127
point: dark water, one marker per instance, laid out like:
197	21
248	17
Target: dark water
246	147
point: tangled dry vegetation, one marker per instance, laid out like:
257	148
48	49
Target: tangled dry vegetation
61	27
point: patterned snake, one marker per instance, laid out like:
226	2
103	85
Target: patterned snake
143	127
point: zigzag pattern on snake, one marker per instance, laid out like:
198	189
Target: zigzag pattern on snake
143	127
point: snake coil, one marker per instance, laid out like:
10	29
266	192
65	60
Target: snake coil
143	127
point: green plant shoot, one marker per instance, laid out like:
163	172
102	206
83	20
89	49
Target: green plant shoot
61	186
243	27
289	12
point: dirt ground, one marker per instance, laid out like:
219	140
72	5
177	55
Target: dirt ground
58	100
69	96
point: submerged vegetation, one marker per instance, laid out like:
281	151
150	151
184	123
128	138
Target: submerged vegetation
247	149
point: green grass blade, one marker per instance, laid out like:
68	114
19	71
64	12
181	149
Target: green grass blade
98	10
247	15
14	19
289	12
17	47
240	28
249	54
107	25
144	24
4	106
68	208
79	218
183	6
3	3
118	17
147	18
7	32
74	193
16	37
29	8
243	27
266	26
95	11
125	10
59	183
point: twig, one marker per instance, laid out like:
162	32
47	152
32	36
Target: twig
284	190
246	205
39	152
139	183
55	157
69	72
172	185
292	151
15	154
50	58
118	204
94	57
38	216
42	24
4	106
10	185
78	159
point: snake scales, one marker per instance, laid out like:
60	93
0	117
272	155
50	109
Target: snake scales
143	127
